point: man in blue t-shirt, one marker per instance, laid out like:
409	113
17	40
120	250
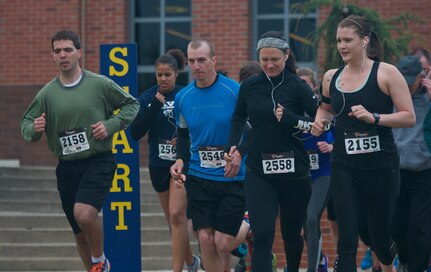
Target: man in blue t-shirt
215	194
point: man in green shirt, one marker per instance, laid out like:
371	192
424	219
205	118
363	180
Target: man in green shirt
76	112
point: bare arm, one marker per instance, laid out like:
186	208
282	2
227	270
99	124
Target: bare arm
393	84
325	113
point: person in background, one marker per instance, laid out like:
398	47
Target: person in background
318	149
277	163
412	221
75	110
365	164
214	186
425	59
309	75
249	70
156	117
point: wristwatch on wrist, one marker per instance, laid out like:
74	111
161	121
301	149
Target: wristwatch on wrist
376	118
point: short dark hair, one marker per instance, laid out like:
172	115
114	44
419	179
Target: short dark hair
195	43
66	35
419	51
250	69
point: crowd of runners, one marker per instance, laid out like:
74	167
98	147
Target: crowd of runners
227	159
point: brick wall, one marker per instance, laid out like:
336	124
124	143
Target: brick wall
228	26
26	31
14	100
27	65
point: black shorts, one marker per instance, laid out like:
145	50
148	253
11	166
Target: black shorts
85	181
160	177
216	205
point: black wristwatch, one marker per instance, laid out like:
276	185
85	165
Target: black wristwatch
376	118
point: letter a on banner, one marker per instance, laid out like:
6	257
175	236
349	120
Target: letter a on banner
121	213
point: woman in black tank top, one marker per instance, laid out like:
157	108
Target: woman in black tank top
365	166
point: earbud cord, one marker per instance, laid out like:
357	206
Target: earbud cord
273	89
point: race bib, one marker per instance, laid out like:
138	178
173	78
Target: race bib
167	151
278	163
73	141
361	142
211	156
314	159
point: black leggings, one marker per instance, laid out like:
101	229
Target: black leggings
364	195
412	222
264	195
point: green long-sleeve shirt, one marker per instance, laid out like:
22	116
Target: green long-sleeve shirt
70	110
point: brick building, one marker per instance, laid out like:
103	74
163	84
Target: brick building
26	27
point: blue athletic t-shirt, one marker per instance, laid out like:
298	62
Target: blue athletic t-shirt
207	114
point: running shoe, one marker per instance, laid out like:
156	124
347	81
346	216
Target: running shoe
367	261
323	266
274	263
336	263
396	262
241	251
194	267
104	266
240	266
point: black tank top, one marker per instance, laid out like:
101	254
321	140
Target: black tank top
348	128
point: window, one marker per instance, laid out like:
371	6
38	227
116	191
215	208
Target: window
296	27
156	27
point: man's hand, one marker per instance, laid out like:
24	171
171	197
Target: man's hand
99	131
176	172
426	82
233	162
40	123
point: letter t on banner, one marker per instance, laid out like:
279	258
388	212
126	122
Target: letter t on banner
121	213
